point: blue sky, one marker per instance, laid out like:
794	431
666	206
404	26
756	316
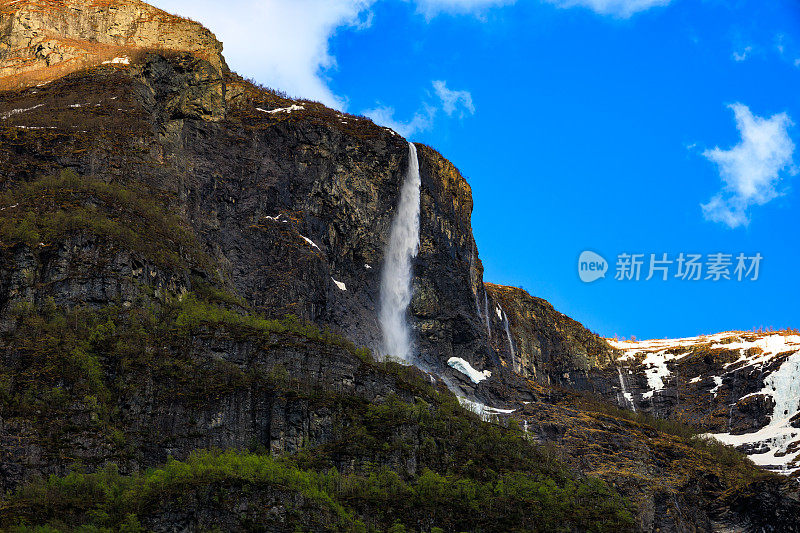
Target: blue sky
638	126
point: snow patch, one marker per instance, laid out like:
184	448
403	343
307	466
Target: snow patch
656	353
482	410
465	368
339	284
289	109
310	242
776	437
13	112
125	60
717	385
769	446
276	218
625	394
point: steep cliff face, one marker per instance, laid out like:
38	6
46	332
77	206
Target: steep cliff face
290	202
189	261
41	40
545	345
741	387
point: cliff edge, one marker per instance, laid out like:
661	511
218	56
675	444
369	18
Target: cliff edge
41	40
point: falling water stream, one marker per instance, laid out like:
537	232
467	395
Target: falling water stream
396	285
625	394
397	272
510	342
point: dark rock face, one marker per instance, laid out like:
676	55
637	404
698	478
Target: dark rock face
549	347
193	178
277	411
229	508
259	188
730	384
282	206
80	270
764	507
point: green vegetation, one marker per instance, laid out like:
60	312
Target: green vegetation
409	464
75	350
107	500
45	210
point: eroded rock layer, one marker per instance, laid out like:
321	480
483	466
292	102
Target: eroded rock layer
41	40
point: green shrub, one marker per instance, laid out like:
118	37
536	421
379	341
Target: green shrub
51	207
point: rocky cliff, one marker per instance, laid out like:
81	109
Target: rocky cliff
41	40
545	345
739	386
192	262
283	197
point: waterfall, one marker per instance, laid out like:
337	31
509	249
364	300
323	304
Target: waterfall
730	416
625	394
396	277
510	342
486	313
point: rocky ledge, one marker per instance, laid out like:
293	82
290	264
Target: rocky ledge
41	40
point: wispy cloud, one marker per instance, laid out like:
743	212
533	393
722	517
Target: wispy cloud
743	54
449	101
454	100
751	170
431	8
421	121
617	8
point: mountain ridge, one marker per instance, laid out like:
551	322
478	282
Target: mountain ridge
190	261
42	40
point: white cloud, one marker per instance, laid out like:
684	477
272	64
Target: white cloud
283	44
618	8
744	54
421	121
453	100
751	170
431	8
780	41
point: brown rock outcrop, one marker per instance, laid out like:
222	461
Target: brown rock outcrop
41	40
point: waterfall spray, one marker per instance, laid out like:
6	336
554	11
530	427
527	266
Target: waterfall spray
396	277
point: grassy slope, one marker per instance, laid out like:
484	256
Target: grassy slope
471	475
